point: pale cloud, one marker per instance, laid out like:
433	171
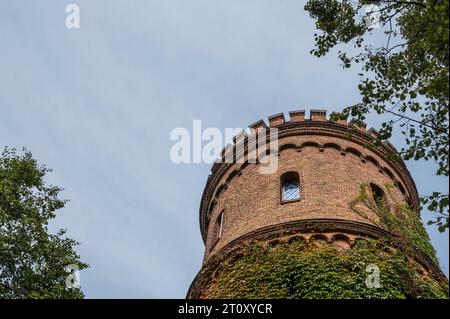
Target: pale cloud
97	104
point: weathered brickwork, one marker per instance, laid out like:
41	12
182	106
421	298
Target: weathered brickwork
329	180
332	159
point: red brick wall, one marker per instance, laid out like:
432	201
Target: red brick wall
329	181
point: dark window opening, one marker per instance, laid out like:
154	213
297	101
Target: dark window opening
379	196
210	211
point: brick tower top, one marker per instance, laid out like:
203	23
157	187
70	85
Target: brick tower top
329	160
333	199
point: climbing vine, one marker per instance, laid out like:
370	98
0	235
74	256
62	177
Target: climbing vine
397	218
319	270
313	270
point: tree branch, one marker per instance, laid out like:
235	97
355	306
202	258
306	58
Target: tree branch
416	121
405	2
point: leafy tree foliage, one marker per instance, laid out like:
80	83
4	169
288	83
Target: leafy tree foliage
32	261
406	76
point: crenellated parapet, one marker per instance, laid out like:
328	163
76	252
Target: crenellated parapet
297	118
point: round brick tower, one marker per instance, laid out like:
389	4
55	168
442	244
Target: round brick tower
338	218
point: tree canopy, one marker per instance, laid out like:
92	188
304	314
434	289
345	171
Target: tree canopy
32	261
406	76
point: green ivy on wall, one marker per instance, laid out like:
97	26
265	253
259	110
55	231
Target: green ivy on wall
312	270
318	270
400	220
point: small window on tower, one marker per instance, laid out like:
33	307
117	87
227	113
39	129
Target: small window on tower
219	225
379	196
218	229
290	187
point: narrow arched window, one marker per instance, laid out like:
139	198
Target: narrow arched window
379	196
219	225
217	230
290	187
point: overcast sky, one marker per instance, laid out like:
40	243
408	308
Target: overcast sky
97	104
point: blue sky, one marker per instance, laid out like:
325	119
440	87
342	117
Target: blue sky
97	104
